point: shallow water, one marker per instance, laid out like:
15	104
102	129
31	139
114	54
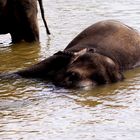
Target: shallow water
35	110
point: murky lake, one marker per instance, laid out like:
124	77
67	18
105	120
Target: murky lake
34	110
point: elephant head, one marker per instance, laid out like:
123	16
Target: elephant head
89	68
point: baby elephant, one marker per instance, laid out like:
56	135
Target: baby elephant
19	18
98	55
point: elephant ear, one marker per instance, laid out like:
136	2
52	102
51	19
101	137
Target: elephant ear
115	76
112	70
78	54
81	52
107	72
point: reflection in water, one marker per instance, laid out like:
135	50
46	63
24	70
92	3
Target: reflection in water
33	109
19	56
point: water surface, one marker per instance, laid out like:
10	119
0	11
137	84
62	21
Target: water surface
35	110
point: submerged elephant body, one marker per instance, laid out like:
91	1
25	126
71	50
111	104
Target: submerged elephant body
19	18
98	55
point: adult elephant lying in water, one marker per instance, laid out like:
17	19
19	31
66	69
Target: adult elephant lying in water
98	55
19	18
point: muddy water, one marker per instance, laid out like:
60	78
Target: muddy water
34	110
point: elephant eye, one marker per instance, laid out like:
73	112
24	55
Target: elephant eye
73	76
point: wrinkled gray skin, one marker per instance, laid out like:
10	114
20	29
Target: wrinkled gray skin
19	18
98	55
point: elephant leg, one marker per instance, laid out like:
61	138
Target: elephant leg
29	22
25	26
25	30
16	37
31	31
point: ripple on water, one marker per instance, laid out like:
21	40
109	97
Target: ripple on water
33	109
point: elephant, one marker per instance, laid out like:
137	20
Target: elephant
98	55
19	18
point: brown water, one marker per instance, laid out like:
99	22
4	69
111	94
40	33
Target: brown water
34	110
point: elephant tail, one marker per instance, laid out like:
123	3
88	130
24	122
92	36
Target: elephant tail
43	17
